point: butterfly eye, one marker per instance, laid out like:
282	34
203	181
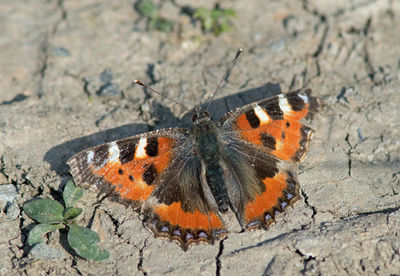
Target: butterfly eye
194	118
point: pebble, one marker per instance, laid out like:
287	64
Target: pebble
8	193
13	211
42	251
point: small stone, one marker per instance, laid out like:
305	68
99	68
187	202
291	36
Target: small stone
278	46
8	193
106	76
3	179
42	251
13	211
109	89
61	52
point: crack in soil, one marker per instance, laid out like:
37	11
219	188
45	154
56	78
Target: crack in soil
306	262
116	224
322	22
105	116
266	270
368	64
74	266
43	64
44	47
314	210
18	98
363	214
150	72
140	263
349	161
217	258
85	82
302	229
262	243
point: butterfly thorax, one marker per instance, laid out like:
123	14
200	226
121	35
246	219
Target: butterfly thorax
207	149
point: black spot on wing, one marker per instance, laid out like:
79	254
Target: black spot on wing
272	108
295	101
263	171
268	141
152	146
253	119
150	174
131	178
100	155
126	150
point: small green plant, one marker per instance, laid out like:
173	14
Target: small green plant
52	216
149	10
215	20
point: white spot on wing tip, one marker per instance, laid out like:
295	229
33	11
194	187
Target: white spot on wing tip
113	152
284	105
141	148
304	98
261	114
89	157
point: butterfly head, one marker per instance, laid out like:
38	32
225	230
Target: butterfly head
200	116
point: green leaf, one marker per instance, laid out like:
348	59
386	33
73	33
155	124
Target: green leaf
83	241
146	8
44	210
71	213
37	232
163	25
201	13
229	13
223	27
204	15
72	194
215	20
208	23
216	14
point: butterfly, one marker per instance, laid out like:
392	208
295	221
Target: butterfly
198	184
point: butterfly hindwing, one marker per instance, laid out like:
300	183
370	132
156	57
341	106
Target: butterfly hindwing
175	222
268	185
281	190
180	208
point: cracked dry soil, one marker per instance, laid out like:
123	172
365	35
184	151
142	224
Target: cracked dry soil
66	73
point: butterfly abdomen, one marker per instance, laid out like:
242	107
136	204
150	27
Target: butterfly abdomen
208	151
216	182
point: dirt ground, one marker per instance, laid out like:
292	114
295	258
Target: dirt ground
66	74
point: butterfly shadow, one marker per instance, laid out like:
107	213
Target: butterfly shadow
58	155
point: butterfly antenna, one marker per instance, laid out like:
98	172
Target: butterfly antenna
162	95
226	76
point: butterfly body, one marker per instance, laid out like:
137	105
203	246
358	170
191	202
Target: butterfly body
208	148
191	185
